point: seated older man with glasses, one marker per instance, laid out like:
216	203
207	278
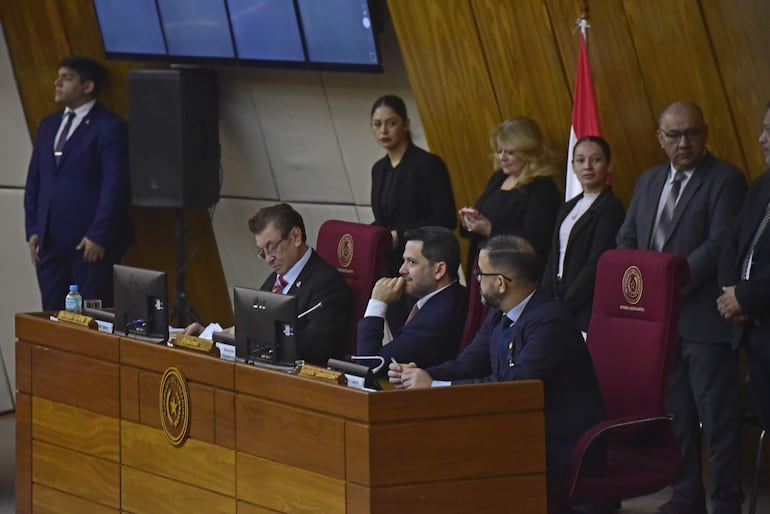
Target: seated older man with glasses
298	270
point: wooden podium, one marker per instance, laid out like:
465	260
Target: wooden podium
89	437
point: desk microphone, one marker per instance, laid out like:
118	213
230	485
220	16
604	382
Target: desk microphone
311	309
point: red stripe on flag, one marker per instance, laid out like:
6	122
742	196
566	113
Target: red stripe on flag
585	117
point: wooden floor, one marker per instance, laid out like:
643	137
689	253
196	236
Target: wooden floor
644	505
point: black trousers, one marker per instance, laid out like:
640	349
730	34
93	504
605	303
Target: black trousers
704	387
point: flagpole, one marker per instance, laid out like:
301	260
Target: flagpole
585	119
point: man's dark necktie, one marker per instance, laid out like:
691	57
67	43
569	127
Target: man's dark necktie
667	215
506	340
745	269
58	150
412	313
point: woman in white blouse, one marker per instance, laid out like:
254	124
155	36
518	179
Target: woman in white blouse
585	228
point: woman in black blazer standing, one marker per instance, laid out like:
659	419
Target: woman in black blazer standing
523	196
586	228
410	186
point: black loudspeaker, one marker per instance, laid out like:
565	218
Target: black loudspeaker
173	129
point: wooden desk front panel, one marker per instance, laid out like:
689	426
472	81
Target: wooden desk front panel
261	441
446	449
298	437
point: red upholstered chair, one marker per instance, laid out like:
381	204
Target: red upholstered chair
358	252
476	312
631	337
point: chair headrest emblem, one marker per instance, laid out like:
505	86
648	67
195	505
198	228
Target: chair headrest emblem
632	285
345	250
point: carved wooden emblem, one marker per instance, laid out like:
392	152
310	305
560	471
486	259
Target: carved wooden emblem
632	285
345	250
175	406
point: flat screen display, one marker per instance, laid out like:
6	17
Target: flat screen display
266	30
141	302
338	32
196	28
265	326
130	29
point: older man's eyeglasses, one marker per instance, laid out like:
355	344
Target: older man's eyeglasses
478	275
674	136
271	248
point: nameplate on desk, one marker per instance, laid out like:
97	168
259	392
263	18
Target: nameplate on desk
308	370
196	344
77	319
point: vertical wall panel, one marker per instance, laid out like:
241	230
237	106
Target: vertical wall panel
738	33
677	62
530	80
445	63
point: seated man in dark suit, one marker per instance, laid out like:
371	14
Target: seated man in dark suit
298	270
525	336
432	332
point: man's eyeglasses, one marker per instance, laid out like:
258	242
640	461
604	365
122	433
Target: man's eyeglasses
478	275
674	136
271	248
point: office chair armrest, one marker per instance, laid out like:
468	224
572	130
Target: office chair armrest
626	425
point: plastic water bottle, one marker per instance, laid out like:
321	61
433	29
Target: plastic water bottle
74	302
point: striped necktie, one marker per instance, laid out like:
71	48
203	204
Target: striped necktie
667	215
279	284
58	150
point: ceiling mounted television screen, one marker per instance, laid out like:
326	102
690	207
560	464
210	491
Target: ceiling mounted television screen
130	30
196	29
339	34
266	32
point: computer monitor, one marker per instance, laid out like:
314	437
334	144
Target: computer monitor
141	302
265	326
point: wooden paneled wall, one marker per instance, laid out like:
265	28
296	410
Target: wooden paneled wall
39	34
473	63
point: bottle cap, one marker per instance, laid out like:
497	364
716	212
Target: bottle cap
74	287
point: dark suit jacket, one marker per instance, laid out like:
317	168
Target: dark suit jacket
420	194
87	194
430	338
547	346
530	212
705	210
752	294
320	331
592	234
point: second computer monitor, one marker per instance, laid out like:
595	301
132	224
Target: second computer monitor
265	326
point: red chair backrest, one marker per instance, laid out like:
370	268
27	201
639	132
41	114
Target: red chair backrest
476	311
634	327
358	252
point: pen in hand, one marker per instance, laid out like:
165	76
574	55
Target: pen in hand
394	361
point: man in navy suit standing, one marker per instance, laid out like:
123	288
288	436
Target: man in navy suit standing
685	206
76	201
525	336
435	325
